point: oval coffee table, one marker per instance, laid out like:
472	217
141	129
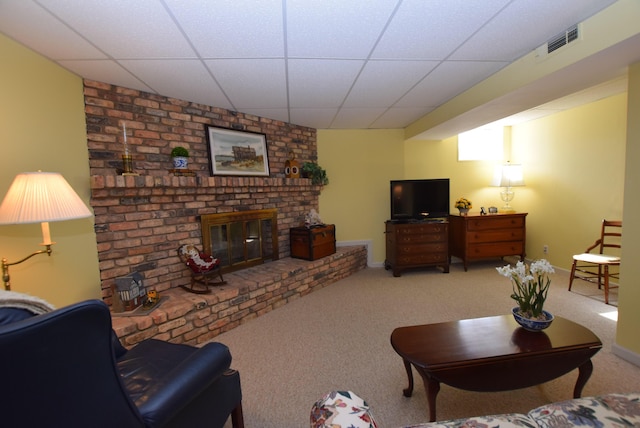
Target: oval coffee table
493	354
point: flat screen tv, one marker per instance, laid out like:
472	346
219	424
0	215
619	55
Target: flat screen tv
419	199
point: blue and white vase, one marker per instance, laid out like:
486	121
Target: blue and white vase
180	162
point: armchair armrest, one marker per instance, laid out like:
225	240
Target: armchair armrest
595	244
163	378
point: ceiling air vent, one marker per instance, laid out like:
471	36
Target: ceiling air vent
562	39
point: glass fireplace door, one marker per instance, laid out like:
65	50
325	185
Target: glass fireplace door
241	239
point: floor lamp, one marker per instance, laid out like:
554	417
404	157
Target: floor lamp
507	176
39	197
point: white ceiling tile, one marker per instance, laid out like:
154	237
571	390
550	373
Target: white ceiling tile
232	28
48	36
356	117
382	82
105	71
335	28
433	29
431	92
320	118
320	83
125	29
184	79
399	117
252	83
508	36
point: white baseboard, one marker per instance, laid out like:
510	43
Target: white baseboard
368	244
626	354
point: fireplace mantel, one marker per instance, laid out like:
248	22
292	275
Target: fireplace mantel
152	181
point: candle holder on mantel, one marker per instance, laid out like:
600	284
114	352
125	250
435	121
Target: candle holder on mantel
127	165
127	161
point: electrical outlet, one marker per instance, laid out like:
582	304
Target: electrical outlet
545	249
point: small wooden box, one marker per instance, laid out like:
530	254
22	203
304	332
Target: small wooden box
313	243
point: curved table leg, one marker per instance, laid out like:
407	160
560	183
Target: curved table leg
584	373
432	388
409	390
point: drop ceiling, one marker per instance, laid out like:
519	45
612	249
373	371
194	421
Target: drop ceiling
329	64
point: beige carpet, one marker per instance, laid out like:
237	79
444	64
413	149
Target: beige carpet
338	338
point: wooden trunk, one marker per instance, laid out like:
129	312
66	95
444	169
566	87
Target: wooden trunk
313	243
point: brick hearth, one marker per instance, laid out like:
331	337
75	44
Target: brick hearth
194	318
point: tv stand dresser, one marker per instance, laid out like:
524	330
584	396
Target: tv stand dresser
474	237
416	244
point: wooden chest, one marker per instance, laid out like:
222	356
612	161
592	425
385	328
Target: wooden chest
313	243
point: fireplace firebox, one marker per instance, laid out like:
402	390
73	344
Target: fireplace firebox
241	239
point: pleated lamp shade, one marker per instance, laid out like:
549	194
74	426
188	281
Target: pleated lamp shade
36	197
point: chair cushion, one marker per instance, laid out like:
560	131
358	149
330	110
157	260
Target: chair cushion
341	409
597	258
11	315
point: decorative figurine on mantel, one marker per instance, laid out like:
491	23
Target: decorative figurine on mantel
312	218
292	167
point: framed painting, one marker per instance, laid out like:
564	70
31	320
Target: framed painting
233	152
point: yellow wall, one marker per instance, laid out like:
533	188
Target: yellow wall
629	294
574	164
43	128
359	164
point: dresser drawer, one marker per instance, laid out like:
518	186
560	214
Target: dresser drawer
497	249
421	259
421	238
422	248
496	235
421	229
498	222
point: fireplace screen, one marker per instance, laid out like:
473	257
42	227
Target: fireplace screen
242	239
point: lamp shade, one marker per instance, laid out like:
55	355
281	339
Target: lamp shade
509	175
36	197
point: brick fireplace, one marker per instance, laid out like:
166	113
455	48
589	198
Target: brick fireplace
141	220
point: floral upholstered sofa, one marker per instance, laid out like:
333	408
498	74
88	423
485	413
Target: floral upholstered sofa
611	410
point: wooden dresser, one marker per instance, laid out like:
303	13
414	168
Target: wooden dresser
412	245
474	237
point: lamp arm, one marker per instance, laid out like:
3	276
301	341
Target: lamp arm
6	264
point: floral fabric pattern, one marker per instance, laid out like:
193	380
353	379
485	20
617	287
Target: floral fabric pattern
341	409
612	410
508	420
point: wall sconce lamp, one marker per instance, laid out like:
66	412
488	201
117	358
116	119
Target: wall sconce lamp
507	176
39	197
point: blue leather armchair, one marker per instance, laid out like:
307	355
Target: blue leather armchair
66	368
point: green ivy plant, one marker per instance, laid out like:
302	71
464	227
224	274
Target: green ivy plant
179	152
316	173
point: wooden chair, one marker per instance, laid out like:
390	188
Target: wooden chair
205	270
593	265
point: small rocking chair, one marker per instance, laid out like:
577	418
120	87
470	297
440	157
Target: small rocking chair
204	269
